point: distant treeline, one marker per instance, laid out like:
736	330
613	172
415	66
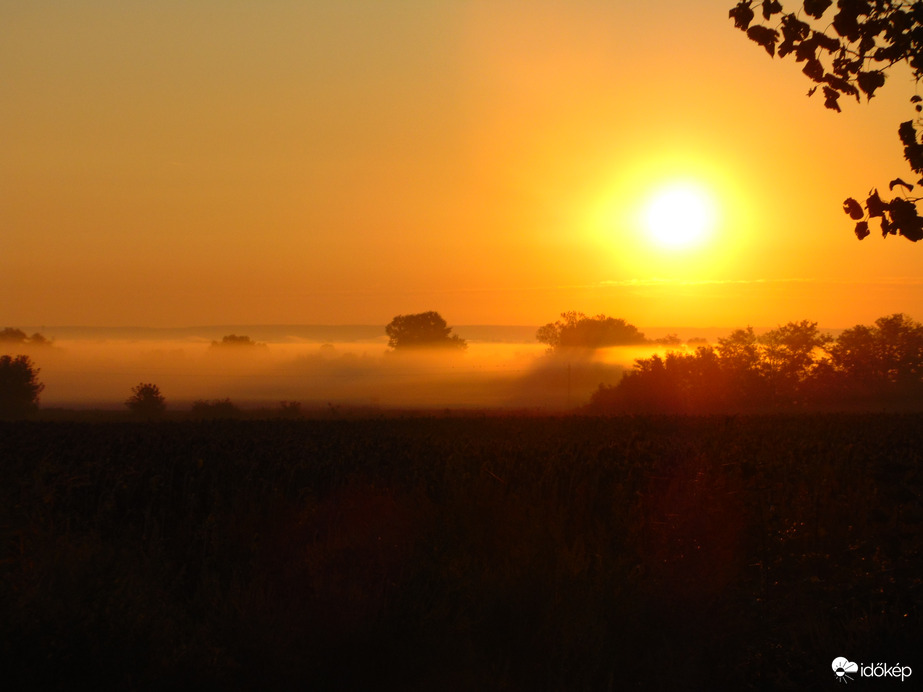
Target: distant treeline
11	335
792	367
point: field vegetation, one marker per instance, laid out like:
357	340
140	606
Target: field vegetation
475	552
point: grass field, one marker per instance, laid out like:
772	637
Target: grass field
488	553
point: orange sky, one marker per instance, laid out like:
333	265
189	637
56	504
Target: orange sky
215	162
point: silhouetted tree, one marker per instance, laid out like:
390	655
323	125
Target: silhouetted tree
19	386
739	355
9	335
886	357
146	401
233	341
422	330
576	330
13	336
789	355
847	52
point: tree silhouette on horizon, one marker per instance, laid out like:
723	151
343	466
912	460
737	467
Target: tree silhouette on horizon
146	401
422	330
577	330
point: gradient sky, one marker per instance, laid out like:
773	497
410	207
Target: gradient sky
187	162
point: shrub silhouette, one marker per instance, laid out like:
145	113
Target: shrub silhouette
215	408
290	409
146	401
19	386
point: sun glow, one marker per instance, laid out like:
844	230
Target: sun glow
679	215
673	218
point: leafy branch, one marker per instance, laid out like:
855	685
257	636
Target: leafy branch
849	57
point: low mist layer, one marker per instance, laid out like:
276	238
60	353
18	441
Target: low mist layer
87	373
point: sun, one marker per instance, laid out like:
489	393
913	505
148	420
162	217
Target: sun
679	215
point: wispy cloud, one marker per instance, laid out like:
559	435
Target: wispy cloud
654	282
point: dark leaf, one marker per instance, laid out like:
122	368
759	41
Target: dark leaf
867	42
918	108
830	99
897	181
886	53
907	134
905	220
815	8
814	69
831	44
764	36
862	230
886	228
914	231
771	7
914	155
913	151
853	208
844	66
916	98
840	84
899	22
812	90
742	15
846	21
793	29
875	206
869	81
806	50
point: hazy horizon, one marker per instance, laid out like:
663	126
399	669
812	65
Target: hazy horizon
316	332
504	367
95	373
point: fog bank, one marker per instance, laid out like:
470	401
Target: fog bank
99	373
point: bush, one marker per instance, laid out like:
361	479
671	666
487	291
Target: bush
146	401
19	386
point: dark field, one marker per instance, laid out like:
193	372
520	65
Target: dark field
475	553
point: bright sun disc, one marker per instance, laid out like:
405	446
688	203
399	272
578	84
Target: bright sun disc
679	216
